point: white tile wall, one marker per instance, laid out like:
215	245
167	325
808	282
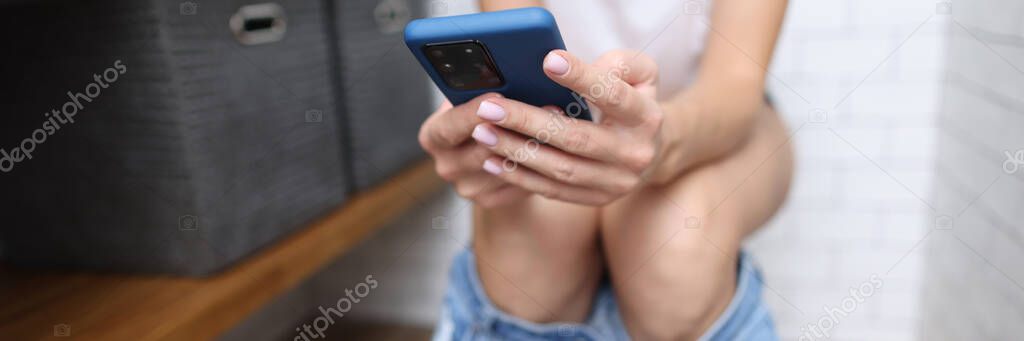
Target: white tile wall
974	278
861	196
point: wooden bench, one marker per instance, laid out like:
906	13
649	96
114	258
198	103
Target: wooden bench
137	307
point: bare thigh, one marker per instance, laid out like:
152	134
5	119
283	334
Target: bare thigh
672	250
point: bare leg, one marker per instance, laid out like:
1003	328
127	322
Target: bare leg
539	260
671	281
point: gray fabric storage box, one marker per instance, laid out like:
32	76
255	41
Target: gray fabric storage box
196	156
385	94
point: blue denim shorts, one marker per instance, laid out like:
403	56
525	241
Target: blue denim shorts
468	314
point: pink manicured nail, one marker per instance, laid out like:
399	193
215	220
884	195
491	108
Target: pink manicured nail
484	135
490	111
492	167
556	64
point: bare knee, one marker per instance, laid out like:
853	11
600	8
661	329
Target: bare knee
681	291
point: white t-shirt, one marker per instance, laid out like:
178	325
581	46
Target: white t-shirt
673	32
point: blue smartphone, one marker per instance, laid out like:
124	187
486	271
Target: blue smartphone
503	52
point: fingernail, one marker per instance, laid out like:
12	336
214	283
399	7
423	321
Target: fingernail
484	135
490	111
492	167
556	64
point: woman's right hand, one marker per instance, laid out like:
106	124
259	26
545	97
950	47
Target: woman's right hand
446	136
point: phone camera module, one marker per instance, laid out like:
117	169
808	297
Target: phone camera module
464	65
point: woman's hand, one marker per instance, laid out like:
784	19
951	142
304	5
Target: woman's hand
559	157
457	159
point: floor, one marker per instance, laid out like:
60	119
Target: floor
381	332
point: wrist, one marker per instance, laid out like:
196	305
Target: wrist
671	159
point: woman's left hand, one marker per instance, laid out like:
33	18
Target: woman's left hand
576	160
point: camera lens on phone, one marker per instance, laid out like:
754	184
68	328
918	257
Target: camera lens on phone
464	65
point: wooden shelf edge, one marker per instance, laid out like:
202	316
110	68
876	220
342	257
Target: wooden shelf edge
107	307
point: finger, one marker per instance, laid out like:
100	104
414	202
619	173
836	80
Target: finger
553	163
579	137
602	86
450	126
536	183
635	68
451	164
